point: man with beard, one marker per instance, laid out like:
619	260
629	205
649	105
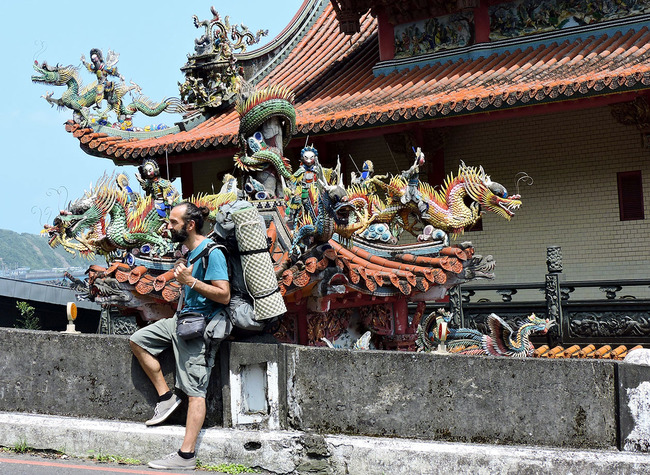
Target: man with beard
207	291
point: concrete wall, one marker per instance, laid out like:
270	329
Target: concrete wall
558	403
82	375
462	399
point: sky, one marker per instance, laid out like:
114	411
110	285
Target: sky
43	166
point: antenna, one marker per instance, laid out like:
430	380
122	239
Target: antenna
167	162
355	165
391	154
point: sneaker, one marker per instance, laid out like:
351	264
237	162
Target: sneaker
174	462
164	409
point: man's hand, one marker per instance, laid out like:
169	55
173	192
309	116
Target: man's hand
183	274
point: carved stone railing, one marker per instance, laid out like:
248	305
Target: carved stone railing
598	311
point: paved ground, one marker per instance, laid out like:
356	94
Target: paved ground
36	464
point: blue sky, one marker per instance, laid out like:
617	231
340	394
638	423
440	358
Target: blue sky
42	164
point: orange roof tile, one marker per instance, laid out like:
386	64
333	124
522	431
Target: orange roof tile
332	76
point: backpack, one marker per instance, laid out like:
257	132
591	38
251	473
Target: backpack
240	310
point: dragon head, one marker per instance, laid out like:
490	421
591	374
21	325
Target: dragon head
56	75
66	227
489	194
540	325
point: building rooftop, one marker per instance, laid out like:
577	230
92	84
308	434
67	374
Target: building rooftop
341	84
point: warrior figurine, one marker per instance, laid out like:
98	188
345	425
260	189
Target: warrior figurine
102	70
367	169
412	176
303	178
163	192
306	174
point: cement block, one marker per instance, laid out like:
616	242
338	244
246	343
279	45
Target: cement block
256	370
634	400
562	403
83	375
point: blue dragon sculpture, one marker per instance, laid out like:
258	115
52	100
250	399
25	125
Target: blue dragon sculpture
503	340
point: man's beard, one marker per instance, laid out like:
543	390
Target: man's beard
179	236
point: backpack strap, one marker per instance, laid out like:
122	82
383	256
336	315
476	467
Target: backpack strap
204	253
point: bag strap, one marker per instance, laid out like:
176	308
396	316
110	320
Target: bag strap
205	252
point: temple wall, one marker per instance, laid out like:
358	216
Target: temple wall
574	158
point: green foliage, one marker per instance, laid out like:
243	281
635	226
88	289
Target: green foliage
21	447
27	319
33	251
225	468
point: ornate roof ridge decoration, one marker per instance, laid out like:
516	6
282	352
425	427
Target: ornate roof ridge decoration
499	46
337	89
84	100
524	17
218	32
211	76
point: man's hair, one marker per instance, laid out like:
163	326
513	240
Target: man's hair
194	213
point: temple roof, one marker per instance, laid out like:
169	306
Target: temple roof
340	83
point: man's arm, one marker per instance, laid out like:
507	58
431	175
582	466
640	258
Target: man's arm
217	290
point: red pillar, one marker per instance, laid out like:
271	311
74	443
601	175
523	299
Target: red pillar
386	36
482	23
401	316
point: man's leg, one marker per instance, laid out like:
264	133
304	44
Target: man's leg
151	367
196	410
146	344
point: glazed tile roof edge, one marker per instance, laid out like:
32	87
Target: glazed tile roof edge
565	71
312	9
616	352
475	51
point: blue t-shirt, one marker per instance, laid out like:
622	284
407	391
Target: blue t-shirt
217	270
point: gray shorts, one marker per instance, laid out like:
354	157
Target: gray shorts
192	369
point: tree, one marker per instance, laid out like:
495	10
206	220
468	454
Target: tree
27	319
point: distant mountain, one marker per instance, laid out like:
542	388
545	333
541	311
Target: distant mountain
33	251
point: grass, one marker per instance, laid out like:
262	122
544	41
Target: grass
225	468
21	447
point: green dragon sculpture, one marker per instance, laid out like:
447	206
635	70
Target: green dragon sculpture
80	98
107	219
267	122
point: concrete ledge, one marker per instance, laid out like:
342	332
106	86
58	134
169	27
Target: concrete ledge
293	452
471	399
84	375
558	403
